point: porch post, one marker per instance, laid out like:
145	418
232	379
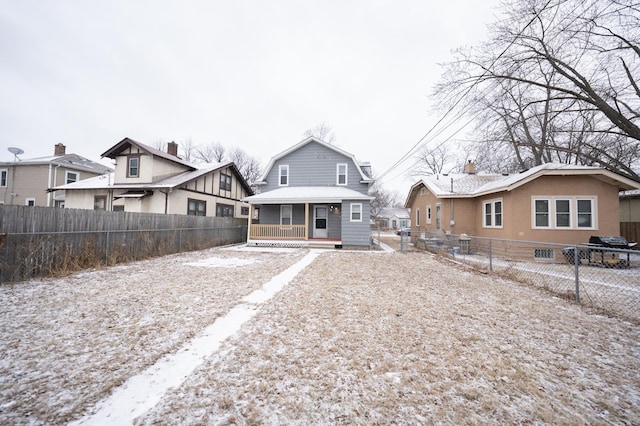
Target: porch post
249	222
306	221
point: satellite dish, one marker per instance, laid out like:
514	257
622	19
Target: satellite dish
15	151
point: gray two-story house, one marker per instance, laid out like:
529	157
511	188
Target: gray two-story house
314	194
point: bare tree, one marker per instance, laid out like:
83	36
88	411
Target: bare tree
557	81
188	149
212	153
248	166
322	131
382	198
430	161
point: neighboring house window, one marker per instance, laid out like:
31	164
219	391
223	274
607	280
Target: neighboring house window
541	213
133	166
30	202
563	213
225	182
196	207
3	177
342	174
71	177
404	223
356	212
438	216
285	215
417	217
567	213
283	172
118	208
100	202
244	211
492	214
428	215
224	210
585	213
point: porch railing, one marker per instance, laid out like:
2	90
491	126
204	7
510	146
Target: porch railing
279	232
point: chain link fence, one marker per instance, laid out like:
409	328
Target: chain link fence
39	254
607	279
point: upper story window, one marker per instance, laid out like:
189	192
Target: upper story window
342	174
133	166
71	177
225	182
492	214
564	212
3	177
283	175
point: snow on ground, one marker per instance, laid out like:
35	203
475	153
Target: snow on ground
358	338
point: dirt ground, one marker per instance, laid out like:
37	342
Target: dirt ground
355	338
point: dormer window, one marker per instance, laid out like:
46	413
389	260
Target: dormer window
133	166
342	174
283	179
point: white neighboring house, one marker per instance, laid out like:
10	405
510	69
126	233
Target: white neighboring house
147	180
394	218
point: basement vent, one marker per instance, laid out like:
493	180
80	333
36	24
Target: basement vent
543	253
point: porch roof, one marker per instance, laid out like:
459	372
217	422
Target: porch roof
307	194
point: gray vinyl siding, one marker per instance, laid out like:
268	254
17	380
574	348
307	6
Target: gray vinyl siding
315	165
334	221
356	233
270	214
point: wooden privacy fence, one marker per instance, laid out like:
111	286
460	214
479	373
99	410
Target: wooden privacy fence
41	241
630	231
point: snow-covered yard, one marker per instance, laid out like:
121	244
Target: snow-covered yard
354	337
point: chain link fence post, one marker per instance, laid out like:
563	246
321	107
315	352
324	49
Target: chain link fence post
576	262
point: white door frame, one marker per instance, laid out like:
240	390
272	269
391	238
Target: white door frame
320	232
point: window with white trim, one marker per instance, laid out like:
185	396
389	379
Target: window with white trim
30	202
428	215
225	182
285	214
341	171
71	177
564	212
585	213
417	217
133	166
356	212
492	214
541	213
4	173
283	175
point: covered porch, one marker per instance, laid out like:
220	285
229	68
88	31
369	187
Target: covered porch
296	225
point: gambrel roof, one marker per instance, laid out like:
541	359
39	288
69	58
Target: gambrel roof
475	185
359	166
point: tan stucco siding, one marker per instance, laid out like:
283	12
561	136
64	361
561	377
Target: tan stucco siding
151	168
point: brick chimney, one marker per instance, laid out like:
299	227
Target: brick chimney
470	168
172	149
59	149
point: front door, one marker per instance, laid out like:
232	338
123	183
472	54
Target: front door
320	222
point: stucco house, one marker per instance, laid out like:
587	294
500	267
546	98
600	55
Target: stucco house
394	218
554	202
312	194
147	180
25	182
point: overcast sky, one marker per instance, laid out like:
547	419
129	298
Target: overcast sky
251	74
